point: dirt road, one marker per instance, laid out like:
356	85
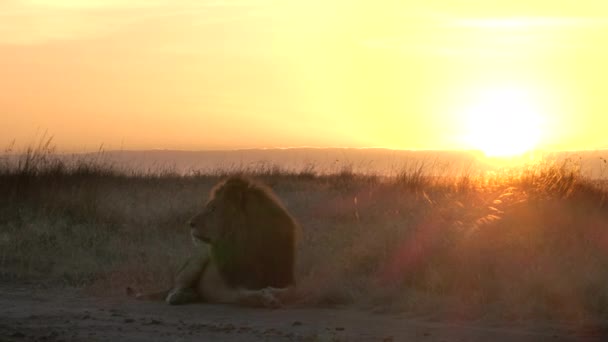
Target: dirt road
60	314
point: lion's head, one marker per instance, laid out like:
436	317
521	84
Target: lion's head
219	215
252	236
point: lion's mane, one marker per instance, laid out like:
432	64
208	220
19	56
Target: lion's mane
257	248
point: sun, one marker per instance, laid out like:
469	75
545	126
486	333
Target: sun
503	123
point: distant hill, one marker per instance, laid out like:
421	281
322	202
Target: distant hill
330	160
376	160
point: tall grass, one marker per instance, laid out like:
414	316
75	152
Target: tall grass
528	242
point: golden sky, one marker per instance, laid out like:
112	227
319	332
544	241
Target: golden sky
196	74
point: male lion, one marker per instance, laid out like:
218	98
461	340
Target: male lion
246	249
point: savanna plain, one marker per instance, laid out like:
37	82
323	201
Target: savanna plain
520	254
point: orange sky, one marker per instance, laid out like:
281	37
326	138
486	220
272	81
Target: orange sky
238	74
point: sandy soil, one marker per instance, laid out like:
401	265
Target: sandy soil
28	313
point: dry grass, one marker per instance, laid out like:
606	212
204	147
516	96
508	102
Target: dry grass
531	242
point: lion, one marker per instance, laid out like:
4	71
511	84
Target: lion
245	254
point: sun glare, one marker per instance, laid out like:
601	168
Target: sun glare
503	123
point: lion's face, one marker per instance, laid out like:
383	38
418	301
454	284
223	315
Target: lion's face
213	222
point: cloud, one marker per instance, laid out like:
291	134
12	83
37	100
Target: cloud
30	22
138	4
493	37
530	22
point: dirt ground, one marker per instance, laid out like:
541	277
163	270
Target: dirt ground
29	313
